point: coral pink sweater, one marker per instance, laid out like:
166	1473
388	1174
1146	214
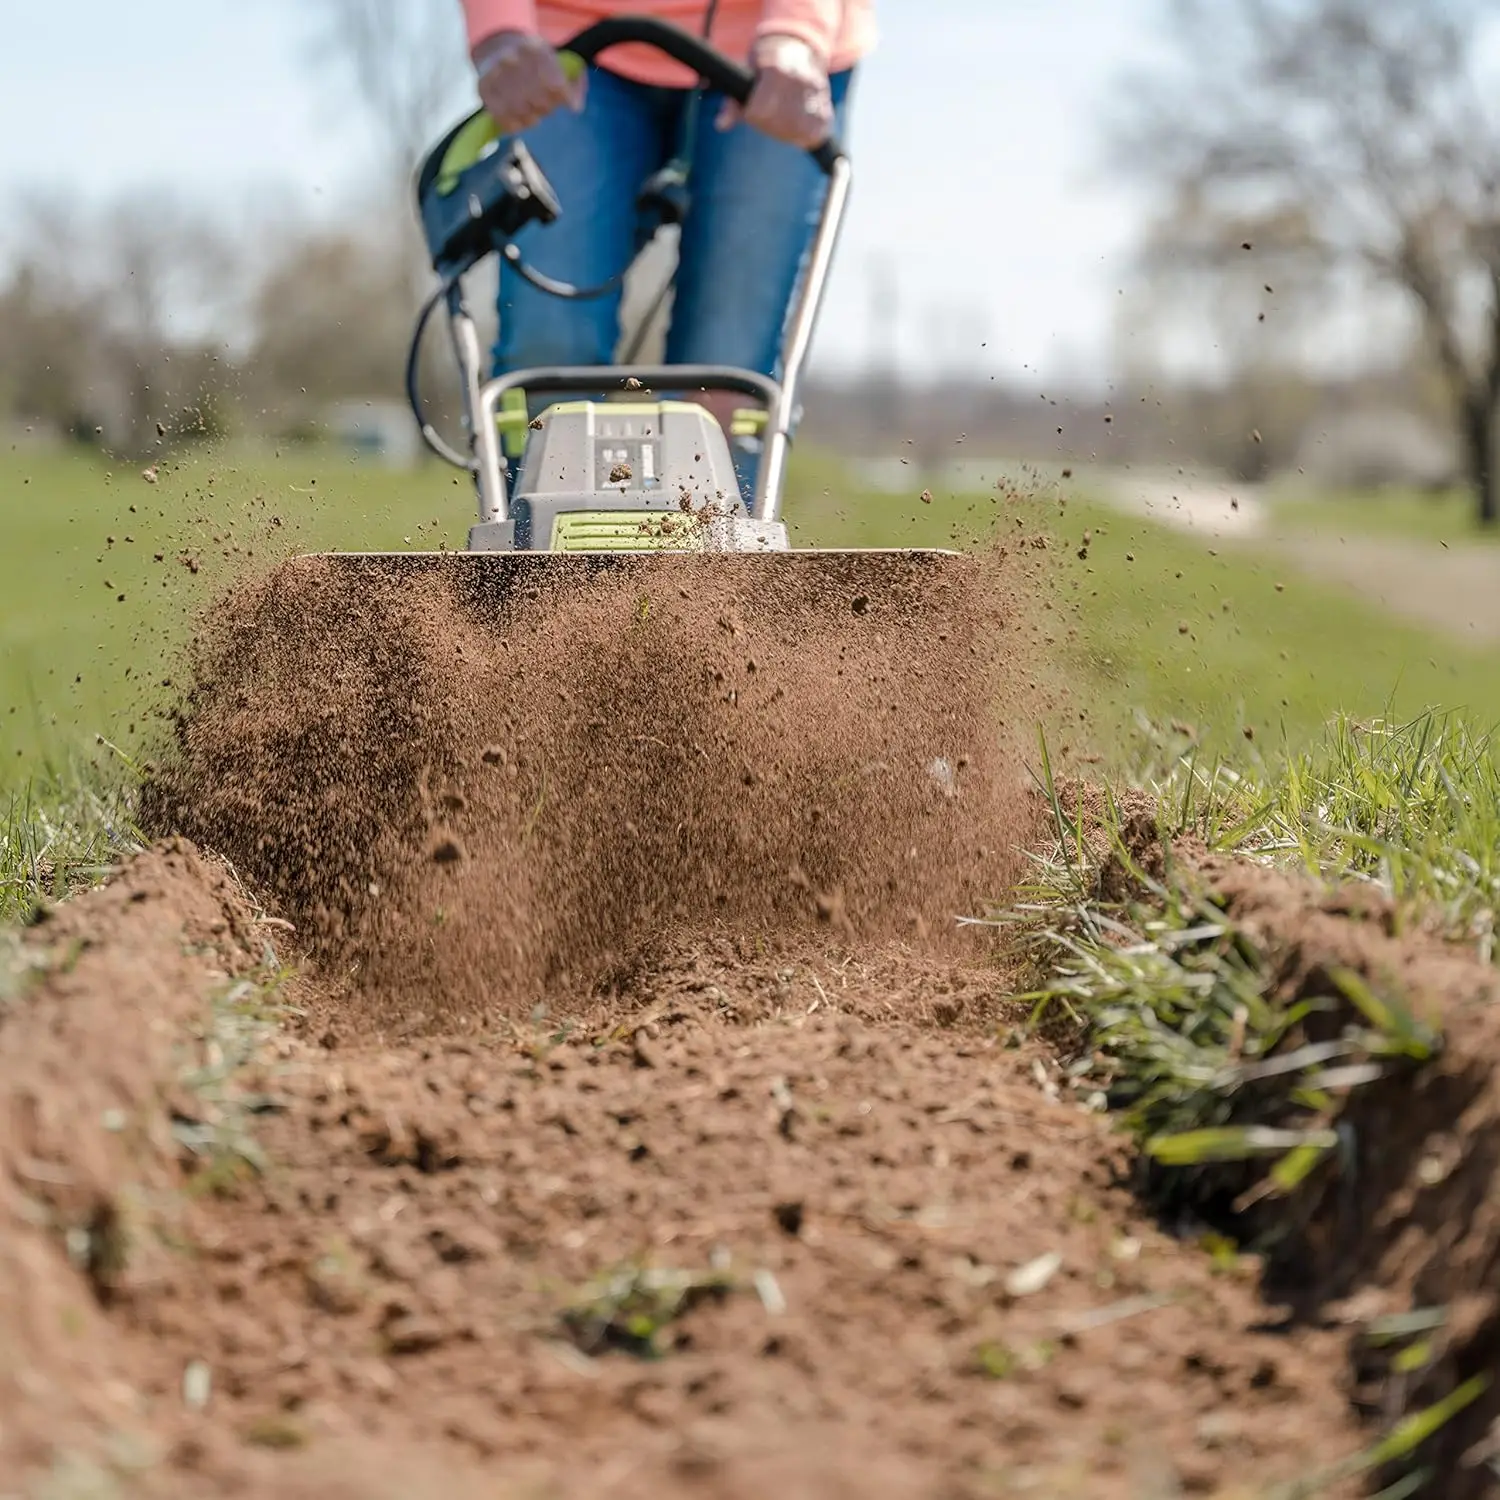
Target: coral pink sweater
841	31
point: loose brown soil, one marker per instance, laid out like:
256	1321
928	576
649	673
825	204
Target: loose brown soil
572	1008
845	1133
467	797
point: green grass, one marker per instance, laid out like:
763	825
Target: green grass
1235	641
77	660
633	1307
60	832
1446	517
1205	1057
1153	629
1238	1085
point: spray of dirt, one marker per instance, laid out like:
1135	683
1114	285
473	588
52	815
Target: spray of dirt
465	798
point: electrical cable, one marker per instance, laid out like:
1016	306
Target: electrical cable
429	433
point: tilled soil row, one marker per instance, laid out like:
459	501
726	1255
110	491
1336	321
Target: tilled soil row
908	1265
637	1121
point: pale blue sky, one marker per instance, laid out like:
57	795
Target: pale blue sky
975	144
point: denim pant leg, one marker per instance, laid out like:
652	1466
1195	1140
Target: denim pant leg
755	207
596	162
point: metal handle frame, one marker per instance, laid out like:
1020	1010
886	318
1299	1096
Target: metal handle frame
481	398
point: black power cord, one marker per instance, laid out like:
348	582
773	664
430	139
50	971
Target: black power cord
544	283
446	292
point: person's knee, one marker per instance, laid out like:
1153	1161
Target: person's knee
527	341
745	342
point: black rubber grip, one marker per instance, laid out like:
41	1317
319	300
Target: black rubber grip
722	73
576	380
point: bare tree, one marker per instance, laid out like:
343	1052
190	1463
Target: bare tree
1336	146
117	315
405	68
330	321
169	284
404	65
45	352
50	316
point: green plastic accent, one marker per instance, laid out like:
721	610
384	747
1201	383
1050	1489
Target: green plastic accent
476	133
479	130
513	420
626	531
748	421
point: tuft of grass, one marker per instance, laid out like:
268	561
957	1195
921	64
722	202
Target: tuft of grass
1398	1450
1186	1028
60	834
632	1307
279	1431
1413	807
216	1129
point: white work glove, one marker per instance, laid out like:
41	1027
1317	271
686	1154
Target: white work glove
791	100
521	80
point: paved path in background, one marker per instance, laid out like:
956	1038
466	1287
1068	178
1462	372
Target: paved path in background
1203	507
1453	590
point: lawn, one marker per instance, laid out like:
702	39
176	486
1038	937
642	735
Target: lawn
97	584
1229	639
1152	629
1157	629
1446	517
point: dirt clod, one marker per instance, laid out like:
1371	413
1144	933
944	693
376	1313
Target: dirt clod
447	851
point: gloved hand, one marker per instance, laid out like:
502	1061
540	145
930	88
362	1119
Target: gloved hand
521	80
791	100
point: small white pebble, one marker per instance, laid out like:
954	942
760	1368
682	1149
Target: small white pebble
197	1383
1029	1279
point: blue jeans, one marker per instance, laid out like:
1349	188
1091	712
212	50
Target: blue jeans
754	209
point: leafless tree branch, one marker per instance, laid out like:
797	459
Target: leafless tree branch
1335	137
403	63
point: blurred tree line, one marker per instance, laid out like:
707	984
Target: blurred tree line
132	321
154	318
1326	182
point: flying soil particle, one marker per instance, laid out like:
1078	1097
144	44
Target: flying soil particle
447	851
598	765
